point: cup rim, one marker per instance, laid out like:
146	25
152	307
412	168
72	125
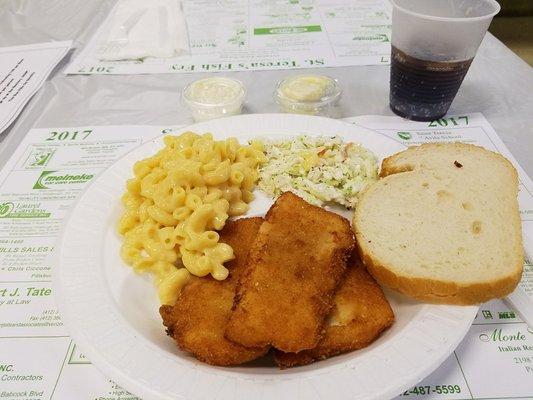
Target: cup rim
449	19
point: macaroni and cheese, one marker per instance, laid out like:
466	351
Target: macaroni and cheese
177	201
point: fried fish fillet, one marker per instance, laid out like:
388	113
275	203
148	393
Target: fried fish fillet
198	319
293	269
360	314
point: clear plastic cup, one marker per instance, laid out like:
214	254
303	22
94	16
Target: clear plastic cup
308	94
215	97
433	45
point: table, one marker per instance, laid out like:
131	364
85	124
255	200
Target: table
499	84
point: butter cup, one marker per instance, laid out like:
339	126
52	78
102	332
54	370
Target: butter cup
323	104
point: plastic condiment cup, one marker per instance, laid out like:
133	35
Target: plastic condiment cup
211	98
308	94
433	45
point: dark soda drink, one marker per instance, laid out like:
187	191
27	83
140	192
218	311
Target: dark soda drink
423	90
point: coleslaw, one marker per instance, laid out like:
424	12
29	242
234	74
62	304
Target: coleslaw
321	170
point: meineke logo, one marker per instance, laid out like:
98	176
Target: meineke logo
53	178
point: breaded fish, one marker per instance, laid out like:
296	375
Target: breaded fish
360	314
293	269
198	319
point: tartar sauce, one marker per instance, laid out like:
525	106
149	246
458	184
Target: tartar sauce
210	98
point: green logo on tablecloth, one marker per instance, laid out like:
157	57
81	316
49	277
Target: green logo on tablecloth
404	135
380	37
279	30
77	357
41	158
497	335
50	178
22	210
5	209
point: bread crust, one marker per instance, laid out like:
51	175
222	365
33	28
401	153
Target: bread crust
388	166
434	290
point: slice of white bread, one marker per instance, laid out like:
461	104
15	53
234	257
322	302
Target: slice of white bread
442	225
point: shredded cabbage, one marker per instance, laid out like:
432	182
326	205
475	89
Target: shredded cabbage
321	170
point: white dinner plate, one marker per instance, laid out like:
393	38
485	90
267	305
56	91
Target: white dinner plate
112	313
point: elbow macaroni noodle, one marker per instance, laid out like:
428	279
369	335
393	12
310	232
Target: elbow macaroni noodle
177	201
